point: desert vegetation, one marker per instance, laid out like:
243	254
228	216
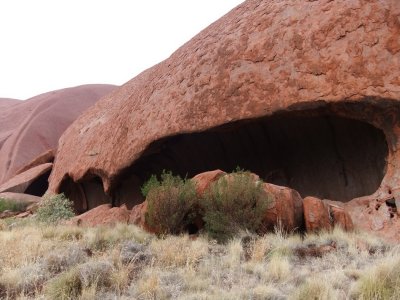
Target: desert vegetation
44	259
123	262
231	203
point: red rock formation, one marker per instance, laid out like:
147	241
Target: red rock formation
316	215
6	103
285	209
304	93
22	182
339	215
204	180
102	215
30	128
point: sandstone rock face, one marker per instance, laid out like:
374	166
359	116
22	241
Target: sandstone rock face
204	180
376	215
285	210
23	182
32	127
102	215
19	197
339	215
316	215
303	93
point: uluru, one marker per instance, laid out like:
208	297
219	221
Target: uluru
259	160
30	129
310	103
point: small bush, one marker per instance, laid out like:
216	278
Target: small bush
54	209
149	185
234	202
6	204
170	203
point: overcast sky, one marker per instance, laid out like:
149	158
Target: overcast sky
52	44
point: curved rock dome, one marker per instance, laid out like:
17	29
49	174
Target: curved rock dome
305	94
32	127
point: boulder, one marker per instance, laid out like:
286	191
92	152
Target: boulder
32	127
204	180
338	214
32	181
102	215
285	208
138	214
138	217
316	215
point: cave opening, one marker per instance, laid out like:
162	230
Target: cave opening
317	154
39	186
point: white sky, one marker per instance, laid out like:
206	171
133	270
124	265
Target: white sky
52	44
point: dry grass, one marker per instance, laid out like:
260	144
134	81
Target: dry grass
123	262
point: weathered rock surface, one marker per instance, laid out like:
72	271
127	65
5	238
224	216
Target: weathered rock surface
19	197
21	182
204	180
285	209
304	93
339	216
375	215
102	215
32	127
316	215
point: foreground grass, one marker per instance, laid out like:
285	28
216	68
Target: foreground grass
57	262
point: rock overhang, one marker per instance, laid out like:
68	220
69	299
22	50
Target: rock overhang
262	59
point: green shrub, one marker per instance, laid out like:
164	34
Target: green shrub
170	203
6	204
234	202
54	209
149	185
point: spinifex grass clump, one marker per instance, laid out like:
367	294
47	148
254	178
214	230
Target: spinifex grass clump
234	202
170	202
54	209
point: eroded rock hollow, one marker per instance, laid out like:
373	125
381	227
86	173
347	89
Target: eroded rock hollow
304	94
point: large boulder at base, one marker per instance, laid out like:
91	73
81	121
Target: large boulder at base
325	214
285	209
32	127
102	215
339	216
204	180
32	181
303	93
316	215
